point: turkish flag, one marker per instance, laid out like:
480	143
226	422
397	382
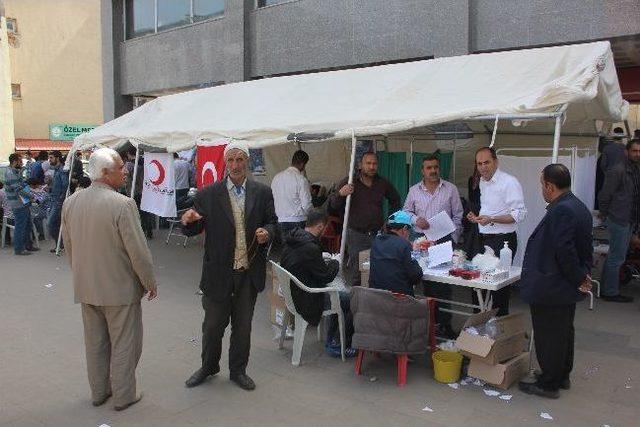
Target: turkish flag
210	163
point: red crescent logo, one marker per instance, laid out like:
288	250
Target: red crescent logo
161	173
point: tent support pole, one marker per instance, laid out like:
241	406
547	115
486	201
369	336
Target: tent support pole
347	207
556	139
135	171
59	241
453	165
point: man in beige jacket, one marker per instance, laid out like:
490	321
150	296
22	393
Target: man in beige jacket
112	270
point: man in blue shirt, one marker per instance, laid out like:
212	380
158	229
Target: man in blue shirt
392	267
18	199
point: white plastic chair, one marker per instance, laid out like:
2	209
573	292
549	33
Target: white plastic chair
6	225
284	279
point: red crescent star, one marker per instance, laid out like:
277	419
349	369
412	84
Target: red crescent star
160	170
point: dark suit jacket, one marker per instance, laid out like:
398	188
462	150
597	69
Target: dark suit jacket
213	203
559	254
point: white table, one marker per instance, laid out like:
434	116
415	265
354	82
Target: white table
441	275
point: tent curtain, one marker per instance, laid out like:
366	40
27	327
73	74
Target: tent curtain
394	167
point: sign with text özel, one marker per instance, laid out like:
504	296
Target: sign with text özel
158	185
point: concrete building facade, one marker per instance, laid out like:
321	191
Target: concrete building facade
60	76
251	39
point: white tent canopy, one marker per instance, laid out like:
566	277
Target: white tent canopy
378	100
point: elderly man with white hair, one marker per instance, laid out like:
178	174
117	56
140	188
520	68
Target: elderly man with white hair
239	219
112	270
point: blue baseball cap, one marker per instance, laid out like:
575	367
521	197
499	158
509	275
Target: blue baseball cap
400	217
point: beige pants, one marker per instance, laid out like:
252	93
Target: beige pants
113	342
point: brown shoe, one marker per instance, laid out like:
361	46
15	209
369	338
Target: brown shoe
102	401
125	406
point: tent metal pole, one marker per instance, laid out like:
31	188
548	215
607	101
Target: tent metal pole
135	171
347	207
59	241
528	116
556	139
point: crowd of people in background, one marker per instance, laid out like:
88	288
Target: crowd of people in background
32	195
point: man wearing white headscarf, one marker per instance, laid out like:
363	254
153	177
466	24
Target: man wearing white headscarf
239	220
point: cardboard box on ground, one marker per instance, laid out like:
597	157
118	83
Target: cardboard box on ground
501	360
363	257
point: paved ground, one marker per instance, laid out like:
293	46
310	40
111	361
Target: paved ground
43	379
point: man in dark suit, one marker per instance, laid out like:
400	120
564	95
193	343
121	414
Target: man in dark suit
555	275
239	220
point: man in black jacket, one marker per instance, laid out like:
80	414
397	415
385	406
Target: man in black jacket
302	257
239	219
555	275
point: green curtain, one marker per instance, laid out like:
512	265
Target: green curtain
394	167
446	159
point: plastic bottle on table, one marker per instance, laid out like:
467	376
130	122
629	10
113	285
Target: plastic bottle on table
506	256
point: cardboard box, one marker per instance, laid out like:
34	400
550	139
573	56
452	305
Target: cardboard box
275	287
363	257
278	310
510	342
502	375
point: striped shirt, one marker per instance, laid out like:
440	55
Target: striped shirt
14	186
421	203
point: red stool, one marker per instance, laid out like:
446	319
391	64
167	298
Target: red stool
402	361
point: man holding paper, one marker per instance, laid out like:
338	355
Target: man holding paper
436	210
392	267
431	197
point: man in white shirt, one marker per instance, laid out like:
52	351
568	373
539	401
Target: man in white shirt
182	170
501	208
291	194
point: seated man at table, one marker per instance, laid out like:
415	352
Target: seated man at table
302	257
392	267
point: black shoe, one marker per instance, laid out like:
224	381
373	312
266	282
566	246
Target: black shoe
198	378
33	249
565	384
126	405
102	401
534	388
616	298
23	253
243	381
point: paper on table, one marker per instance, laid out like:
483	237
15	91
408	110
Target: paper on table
440	254
439	227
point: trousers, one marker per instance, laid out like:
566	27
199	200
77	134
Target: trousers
553	334
237	308
113	345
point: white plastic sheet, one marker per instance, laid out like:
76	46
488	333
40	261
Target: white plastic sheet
378	100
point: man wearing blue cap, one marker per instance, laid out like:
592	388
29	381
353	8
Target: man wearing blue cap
392	267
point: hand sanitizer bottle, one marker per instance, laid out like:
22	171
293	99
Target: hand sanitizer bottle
506	256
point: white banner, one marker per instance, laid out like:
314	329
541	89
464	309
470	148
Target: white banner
159	185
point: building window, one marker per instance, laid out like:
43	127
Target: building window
173	13
207	9
265	3
16	93
12	26
141	17
151	16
